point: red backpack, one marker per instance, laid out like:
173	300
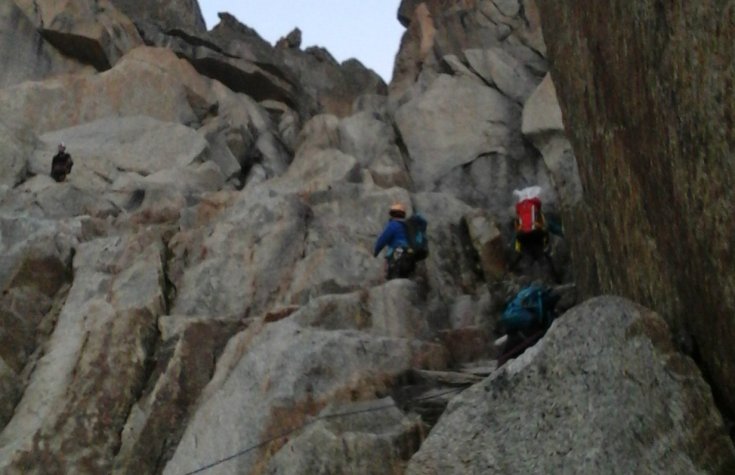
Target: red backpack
528	215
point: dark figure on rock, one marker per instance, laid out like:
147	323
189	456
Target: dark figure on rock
405	241
526	318
532	230
61	164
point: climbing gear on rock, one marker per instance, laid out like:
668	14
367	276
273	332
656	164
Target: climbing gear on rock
418	241
531	233
531	306
526	318
401	264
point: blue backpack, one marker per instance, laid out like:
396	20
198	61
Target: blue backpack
532	306
418	241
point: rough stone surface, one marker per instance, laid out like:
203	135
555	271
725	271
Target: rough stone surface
135	165
93	32
117	296
373	143
603	392
170	14
17	144
256	243
185	360
324	84
334	86
647	96
461	131
239	74
173	92
504	71
249	402
489	243
542	123
25	54
204	279
437	28
112	146
376	440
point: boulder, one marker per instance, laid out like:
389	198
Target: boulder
92	32
239	74
169	14
604	392
173	92
25	54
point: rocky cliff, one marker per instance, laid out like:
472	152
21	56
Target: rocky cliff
200	294
646	90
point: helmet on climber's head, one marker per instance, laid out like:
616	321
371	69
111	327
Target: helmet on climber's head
62	147
397	210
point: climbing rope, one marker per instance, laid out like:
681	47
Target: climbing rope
320	418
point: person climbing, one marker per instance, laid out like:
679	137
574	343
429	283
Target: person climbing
531	230
526	318
399	263
61	164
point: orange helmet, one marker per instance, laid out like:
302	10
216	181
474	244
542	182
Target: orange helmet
397	209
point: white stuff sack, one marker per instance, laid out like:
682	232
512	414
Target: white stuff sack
527	193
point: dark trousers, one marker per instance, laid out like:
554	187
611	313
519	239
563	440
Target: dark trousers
401	265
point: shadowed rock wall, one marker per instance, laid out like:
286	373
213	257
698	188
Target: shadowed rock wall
646	90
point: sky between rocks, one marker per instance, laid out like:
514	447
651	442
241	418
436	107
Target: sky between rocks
364	29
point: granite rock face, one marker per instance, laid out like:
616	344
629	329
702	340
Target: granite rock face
170	14
647	100
464	73
26	55
326	86
204	281
92	32
604	392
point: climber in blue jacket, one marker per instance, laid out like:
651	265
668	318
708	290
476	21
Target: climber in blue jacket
398	263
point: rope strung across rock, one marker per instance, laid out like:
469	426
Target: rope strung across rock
320	418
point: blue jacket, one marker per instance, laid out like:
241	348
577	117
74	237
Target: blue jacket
393	236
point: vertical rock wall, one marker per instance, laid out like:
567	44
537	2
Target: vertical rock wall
646	89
